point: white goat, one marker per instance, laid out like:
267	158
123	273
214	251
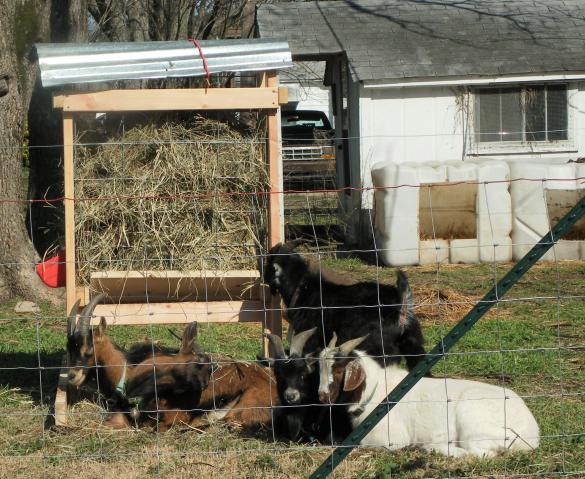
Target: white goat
451	416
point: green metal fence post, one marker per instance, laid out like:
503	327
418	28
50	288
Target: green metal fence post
443	346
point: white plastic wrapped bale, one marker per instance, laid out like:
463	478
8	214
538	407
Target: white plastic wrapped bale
437	213
396	201
541	194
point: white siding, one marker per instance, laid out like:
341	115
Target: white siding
430	124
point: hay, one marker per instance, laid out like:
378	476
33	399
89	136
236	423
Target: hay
167	197
437	307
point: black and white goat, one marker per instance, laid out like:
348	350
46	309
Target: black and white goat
381	312
455	417
300	417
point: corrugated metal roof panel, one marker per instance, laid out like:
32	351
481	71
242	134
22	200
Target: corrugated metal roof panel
63	63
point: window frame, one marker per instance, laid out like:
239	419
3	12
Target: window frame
523	146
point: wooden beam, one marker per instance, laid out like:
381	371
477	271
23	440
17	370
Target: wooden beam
243	274
179	313
82	293
282	95
170	99
275	203
68	180
61	406
137	286
58	102
275	200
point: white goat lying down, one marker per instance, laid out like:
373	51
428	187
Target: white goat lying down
451	416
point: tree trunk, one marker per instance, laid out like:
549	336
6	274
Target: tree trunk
22	23
45	126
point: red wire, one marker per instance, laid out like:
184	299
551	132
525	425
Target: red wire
195	196
205	66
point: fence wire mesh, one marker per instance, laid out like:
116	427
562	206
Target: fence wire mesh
158	225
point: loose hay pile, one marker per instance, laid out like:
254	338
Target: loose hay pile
169	197
440	306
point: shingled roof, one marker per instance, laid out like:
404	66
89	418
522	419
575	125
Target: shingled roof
417	39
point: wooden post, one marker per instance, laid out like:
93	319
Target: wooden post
275	199
69	190
63	395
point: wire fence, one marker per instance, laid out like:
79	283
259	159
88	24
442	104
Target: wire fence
140	404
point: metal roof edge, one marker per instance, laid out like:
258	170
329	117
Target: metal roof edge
67	63
463	81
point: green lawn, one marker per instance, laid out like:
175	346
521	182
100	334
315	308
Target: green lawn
534	343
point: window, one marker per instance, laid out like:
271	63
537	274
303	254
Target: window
521	114
315	119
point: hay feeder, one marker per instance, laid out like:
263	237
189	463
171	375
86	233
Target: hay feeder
253	305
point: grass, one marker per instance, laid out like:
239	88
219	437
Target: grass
533	343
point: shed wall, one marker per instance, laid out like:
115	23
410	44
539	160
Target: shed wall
434	124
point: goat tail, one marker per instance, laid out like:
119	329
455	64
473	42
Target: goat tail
406	299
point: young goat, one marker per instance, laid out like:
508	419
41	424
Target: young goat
238	392
452	416
300	416
381	312
161	378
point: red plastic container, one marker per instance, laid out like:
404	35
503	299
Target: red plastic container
52	270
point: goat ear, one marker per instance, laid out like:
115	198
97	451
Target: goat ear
189	336
100	331
354	375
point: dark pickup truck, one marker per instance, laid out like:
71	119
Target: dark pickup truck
307	145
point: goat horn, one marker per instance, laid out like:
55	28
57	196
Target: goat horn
276	342
85	316
333	341
350	345
297	343
72	318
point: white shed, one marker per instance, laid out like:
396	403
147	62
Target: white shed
442	81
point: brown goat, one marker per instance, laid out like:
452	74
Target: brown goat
167	382
239	392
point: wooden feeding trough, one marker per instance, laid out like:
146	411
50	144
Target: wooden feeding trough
227	295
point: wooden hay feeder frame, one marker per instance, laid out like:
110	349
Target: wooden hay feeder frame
257	305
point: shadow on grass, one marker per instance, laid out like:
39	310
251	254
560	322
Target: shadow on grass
31	373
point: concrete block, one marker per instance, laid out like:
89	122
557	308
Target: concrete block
499	250
565	250
464	251
470	215
434	251
531	215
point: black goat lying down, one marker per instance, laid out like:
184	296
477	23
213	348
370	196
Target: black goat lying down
381	312
166	382
300	416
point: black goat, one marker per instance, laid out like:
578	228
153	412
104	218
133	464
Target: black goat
300	416
381	312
